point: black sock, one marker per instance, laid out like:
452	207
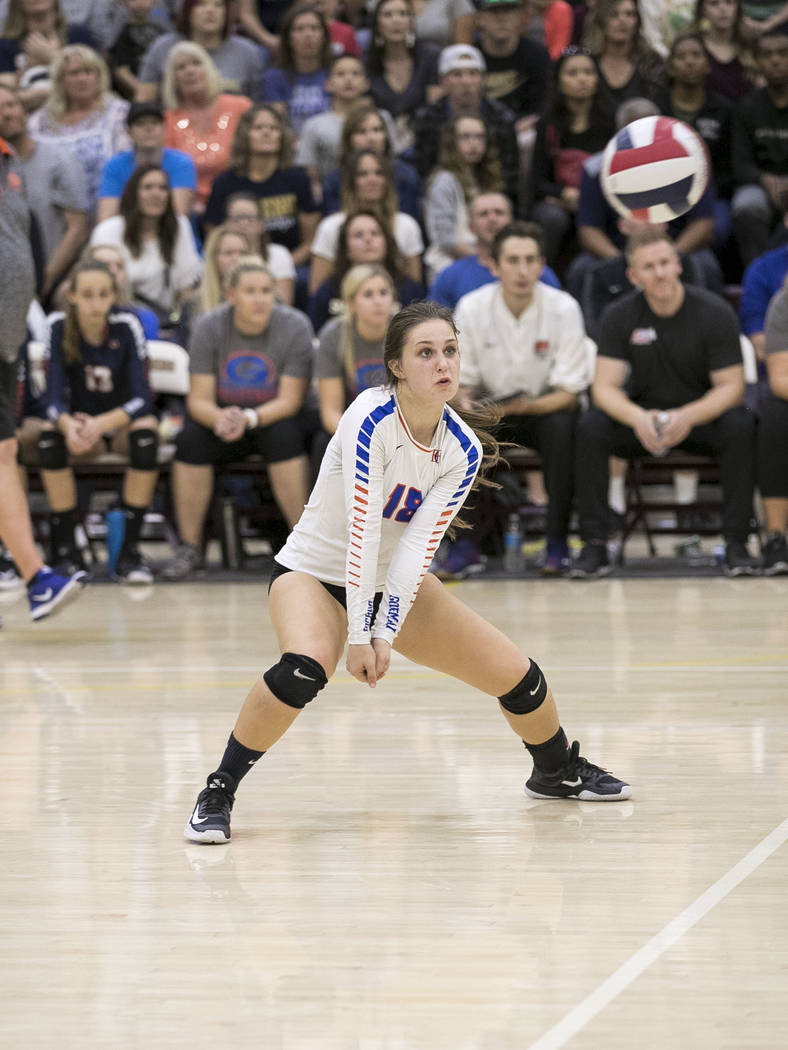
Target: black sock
550	756
237	759
135	517
62	524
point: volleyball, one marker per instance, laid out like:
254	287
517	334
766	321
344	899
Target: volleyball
654	169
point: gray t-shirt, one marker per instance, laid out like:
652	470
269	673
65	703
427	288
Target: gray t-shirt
54	183
248	367
776	325
238	60
367	358
18	285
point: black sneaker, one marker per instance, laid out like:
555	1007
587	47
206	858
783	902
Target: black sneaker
66	561
591	563
774	556
738	560
578	779
132	568
210	821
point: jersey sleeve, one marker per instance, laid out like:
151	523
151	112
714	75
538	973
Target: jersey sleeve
362	434
140	399
421	538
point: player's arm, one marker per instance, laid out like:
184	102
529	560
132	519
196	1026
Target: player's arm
553	401
287	403
420	540
331	395
727	391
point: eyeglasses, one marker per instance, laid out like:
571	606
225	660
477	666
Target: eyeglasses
575	49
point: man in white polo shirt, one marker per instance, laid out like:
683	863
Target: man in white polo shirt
523	344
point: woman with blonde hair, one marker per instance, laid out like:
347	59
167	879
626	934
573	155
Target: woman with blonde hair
198	118
32	37
349	356
223	248
83	114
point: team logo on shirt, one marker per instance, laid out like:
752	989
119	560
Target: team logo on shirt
247	379
436	455
541	347
643	336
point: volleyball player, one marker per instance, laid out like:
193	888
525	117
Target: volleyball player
98	398
355	568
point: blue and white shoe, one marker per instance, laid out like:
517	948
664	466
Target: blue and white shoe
48	593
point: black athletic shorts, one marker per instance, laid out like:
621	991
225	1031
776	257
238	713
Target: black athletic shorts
340	593
199	446
8	390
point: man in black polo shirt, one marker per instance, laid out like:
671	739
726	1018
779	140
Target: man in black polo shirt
669	374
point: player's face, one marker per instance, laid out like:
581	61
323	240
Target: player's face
92	295
372	303
252	299
471	139
371	134
490	212
519	266
656	268
578	77
688	64
429	365
231	248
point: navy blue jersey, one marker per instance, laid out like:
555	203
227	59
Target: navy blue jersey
112	375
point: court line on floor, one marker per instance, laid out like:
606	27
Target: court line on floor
637	964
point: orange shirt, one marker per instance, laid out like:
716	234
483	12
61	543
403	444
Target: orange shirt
207	136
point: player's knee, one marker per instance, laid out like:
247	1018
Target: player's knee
295	680
529	693
52	453
143	445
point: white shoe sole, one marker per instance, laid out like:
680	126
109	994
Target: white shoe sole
584	796
209	836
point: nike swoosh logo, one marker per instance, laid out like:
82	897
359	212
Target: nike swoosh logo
572	783
45	596
533	692
143	442
299	674
197	820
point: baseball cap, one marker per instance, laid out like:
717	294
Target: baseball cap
137	110
460	56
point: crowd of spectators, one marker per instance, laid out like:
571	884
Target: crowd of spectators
262	183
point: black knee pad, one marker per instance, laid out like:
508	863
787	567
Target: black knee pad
143	445
528	694
52	453
295	680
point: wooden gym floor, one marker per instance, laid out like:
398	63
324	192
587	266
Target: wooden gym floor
388	885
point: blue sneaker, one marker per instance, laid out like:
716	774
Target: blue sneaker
48	592
556	559
463	559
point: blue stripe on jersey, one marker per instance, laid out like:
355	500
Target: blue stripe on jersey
365	432
472	454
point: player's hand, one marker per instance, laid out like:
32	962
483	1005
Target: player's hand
646	432
382	656
230	424
362	664
676	427
40	48
90	429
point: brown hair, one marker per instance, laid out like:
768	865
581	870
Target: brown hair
651	234
167	232
349	201
484	176
356	116
286	54
240	154
480	418
71	330
342	261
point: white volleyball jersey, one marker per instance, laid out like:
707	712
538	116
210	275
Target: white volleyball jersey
380	507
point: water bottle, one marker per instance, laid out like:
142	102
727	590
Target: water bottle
513	561
116	531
